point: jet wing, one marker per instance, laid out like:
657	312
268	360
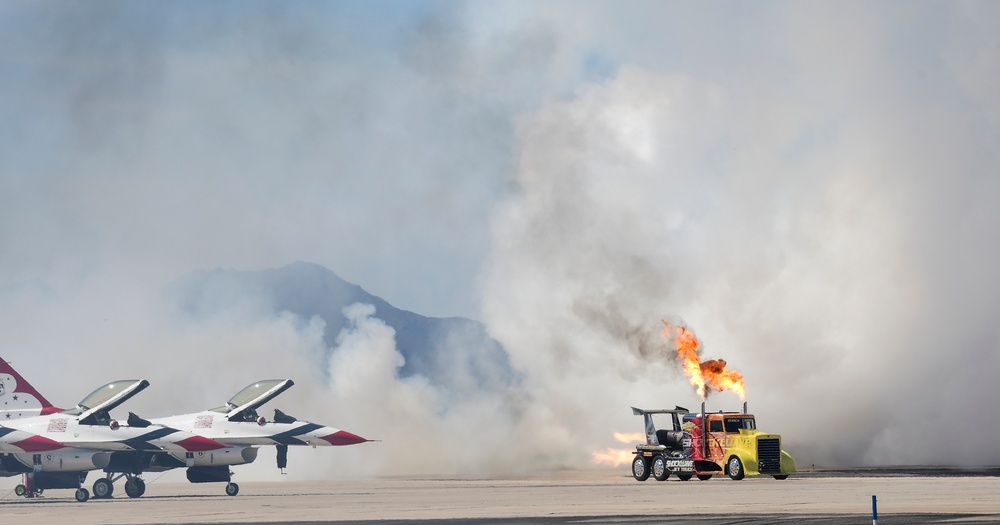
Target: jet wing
93	409
255	395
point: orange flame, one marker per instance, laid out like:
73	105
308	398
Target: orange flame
618	457
635	437
614	457
705	376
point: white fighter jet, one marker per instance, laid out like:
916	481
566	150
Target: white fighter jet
238	425
235	424
55	448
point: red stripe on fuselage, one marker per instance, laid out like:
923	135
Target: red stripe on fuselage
38	444
200	444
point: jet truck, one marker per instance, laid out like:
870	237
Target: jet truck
705	444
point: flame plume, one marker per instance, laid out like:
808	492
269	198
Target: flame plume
617	457
637	437
613	457
705	376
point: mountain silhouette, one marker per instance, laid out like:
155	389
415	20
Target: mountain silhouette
453	353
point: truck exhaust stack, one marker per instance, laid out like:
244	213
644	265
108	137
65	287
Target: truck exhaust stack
704	432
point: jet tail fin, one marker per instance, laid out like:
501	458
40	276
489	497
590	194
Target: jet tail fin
18	398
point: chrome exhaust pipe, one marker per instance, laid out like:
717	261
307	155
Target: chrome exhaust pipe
704	432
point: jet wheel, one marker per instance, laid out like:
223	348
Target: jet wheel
232	489
135	487
21	490
103	488
82	495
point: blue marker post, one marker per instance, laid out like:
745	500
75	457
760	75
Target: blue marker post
874	511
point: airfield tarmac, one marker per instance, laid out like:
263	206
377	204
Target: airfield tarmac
560	497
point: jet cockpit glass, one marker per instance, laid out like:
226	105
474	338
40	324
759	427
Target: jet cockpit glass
254	391
254	395
101	396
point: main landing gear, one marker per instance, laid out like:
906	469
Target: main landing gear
134	486
103	488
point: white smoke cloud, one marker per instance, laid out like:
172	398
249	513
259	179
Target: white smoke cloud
809	241
421	429
809	187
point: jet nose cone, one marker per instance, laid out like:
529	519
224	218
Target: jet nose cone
200	444
343	437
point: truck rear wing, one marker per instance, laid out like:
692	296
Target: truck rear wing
647	416
676	410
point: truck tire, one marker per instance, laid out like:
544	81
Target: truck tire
660	470
735	467
640	468
781	476
684	477
704	477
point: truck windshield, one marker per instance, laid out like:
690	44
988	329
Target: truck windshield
734	424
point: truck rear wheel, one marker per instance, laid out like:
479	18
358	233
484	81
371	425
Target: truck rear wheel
735	467
781	476
704	477
684	477
640	468
660	470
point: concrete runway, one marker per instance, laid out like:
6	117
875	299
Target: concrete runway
555	498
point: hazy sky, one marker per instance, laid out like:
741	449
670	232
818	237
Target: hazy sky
813	187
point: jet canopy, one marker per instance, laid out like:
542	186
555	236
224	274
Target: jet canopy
94	408
243	405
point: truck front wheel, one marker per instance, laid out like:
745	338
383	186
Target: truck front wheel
735	468
640	468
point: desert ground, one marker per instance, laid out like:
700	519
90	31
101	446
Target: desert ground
560	497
